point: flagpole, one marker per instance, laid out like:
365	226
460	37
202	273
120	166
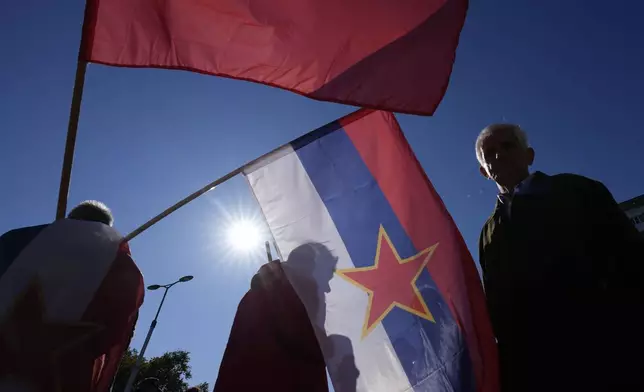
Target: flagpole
269	256
74	115
70	143
198	193
182	203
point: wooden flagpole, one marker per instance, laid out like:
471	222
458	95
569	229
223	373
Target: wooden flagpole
183	202
198	193
203	190
74	115
269	256
70	143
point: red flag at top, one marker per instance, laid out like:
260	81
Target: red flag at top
390	55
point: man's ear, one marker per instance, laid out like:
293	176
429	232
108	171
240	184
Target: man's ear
483	172
530	156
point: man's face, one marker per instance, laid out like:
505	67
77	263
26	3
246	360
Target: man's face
504	159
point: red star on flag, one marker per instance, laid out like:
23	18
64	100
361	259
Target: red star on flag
390	282
31	348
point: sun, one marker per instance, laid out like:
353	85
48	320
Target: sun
236	232
244	235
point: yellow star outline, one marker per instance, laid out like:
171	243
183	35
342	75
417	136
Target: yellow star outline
423	312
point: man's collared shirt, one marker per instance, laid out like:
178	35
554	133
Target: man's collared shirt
506	198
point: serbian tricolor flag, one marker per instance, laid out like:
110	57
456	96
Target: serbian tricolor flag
392	292
383	54
69	299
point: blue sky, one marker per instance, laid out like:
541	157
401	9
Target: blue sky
568	71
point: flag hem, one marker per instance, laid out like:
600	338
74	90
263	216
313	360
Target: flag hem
273	85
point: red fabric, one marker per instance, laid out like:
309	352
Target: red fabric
272	345
115	306
400	176
72	356
392	55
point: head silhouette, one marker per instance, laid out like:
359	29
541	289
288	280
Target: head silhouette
313	261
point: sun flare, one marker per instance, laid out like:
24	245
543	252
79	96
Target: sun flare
244	235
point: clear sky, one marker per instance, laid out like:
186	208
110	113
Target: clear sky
570	72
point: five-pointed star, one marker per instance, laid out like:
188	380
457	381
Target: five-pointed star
31	347
390	282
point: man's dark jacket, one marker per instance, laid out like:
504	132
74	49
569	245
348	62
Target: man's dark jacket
564	278
272	344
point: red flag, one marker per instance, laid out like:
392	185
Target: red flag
391	55
69	299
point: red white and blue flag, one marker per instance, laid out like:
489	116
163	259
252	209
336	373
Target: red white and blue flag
384	54
390	287
69	299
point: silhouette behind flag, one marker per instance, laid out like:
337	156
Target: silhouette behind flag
393	55
272	345
391	291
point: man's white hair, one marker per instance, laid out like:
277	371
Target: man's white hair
518	132
92	210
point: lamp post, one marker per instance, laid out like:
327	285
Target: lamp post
139	359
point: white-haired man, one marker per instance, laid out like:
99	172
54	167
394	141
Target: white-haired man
14	241
69	299
563	270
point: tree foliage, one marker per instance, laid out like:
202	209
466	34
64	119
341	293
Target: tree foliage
203	387
172	369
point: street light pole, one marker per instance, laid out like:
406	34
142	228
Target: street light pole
139	359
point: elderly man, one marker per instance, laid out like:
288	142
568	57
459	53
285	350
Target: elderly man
272	333
563	270
14	241
69	299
